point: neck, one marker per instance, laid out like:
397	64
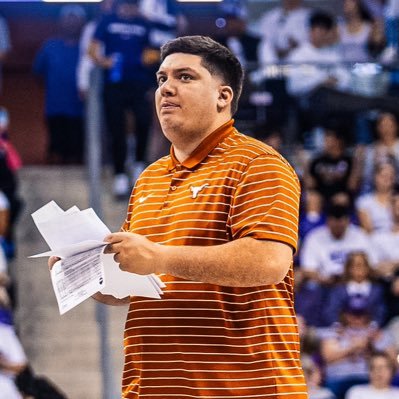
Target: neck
379	385
185	143
388	141
353	18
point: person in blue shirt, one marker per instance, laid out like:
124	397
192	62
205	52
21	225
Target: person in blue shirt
122	47
56	63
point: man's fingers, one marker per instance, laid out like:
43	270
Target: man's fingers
52	261
116	237
111	249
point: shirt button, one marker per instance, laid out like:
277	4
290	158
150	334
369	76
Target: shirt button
173	188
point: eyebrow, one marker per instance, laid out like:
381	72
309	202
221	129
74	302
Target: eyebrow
179	70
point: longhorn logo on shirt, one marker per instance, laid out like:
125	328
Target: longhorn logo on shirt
196	190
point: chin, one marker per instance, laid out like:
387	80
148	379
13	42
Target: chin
170	127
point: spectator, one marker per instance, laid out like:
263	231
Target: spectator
374	209
381	371
331	172
386	245
56	62
5	44
322	89
384	149
285	28
86	64
347	346
309	339
12	356
318	50
354	31
325	249
357	281
313	376
125	39
243	44
322	257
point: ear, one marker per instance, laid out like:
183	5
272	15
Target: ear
225	97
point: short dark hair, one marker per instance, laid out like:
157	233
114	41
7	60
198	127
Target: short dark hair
321	19
338	212
216	58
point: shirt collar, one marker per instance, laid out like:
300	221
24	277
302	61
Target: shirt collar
203	149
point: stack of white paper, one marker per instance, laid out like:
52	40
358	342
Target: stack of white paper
77	237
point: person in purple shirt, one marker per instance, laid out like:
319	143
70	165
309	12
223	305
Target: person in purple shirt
122	47
56	63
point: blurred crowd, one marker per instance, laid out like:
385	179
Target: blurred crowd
321	88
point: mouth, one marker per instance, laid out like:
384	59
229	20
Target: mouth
165	106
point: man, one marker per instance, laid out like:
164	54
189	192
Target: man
326	248
56	64
331	171
121	46
217	220
326	69
285	27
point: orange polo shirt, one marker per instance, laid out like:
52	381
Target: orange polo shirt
203	340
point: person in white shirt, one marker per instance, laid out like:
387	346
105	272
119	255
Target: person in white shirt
317	62
386	244
374	209
354	31
285	27
12	361
325	249
381	370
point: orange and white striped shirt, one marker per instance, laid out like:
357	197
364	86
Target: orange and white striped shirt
203	340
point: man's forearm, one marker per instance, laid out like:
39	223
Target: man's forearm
241	263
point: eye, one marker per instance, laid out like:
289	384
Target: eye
161	79
185	77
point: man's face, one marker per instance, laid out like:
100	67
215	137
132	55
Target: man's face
320	37
127	10
338	226
188	97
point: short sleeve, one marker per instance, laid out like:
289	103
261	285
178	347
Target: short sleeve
100	31
266	202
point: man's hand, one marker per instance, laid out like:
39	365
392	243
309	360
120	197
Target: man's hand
52	260
134	252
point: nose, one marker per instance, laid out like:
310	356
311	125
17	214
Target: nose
167	88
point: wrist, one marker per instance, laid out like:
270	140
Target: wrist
163	259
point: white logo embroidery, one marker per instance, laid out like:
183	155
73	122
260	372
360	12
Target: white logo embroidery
196	190
142	199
